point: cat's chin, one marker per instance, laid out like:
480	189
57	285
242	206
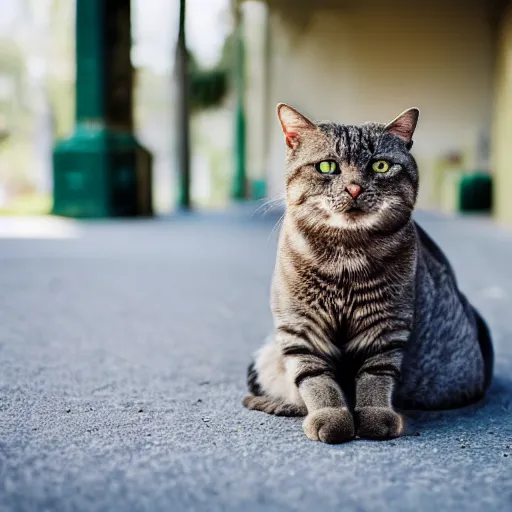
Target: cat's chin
352	219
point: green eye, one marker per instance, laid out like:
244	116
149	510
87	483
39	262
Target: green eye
327	167
380	166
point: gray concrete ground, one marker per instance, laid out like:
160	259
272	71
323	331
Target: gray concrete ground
122	367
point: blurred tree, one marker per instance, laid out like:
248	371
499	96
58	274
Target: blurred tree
36	91
15	119
61	71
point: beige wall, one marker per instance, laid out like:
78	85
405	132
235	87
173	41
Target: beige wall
502	129
369	61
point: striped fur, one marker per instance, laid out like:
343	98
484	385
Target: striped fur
367	311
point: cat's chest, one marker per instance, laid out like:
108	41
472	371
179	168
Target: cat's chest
347	303
340	300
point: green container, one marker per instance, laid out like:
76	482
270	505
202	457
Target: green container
475	192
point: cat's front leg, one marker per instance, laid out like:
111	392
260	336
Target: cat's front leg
375	382
329	419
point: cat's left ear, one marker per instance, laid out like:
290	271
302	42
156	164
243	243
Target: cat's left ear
403	126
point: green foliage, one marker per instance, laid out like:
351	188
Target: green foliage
207	88
228	55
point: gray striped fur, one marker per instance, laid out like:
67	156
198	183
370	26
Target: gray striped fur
367	312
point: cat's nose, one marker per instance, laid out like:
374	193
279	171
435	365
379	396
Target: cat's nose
354	190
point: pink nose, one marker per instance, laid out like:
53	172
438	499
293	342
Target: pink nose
353	190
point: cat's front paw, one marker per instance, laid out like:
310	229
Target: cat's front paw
379	423
331	425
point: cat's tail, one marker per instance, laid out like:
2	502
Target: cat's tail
271	391
252	380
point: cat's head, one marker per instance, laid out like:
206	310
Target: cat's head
357	178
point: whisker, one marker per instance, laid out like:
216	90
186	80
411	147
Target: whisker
269	205
277	226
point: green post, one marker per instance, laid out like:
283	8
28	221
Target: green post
183	114
239	190
90	61
102	170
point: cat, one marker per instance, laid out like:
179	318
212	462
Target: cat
368	316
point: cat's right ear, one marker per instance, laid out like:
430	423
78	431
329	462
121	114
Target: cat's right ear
294	124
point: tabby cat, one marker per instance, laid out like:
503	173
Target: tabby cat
368	316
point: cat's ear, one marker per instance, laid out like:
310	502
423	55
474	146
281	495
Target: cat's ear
293	123
403	126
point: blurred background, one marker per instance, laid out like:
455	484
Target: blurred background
133	108
50	58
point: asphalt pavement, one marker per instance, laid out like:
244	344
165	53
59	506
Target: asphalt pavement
123	352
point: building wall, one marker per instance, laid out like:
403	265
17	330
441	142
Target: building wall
501	146
369	60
